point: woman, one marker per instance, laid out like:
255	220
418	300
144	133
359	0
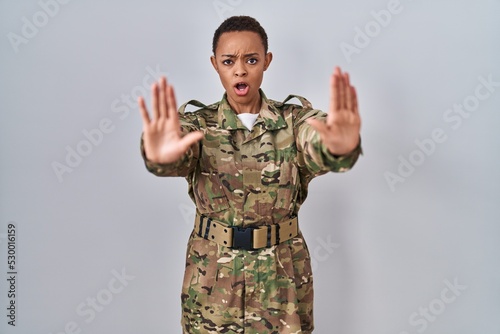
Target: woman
248	161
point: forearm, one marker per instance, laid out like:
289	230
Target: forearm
315	155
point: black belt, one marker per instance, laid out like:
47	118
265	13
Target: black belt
248	238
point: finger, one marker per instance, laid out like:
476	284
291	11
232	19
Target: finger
354	100
163	102
349	102
342	89
144	111
337	89
171	102
334	95
173	117
154	99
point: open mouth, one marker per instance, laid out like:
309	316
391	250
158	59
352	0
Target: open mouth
241	88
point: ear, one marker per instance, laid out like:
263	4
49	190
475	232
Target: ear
268	59
214	63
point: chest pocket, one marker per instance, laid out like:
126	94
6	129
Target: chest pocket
206	181
279	175
280	181
214	161
208	192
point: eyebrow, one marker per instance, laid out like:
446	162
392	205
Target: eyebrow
245	55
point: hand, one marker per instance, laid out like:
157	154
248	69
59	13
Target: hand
340	132
163	140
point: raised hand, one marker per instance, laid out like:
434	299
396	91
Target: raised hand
340	132
163	140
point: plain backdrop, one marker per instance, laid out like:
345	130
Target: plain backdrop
407	242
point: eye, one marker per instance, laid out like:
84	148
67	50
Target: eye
252	61
227	62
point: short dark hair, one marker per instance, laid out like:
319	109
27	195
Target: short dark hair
239	23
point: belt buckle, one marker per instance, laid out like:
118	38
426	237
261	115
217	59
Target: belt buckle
242	237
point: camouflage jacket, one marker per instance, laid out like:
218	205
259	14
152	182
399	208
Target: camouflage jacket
250	178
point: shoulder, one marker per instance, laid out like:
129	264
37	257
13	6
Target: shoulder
203	115
286	106
201	107
300	111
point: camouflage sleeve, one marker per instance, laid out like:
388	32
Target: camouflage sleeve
313	155
185	165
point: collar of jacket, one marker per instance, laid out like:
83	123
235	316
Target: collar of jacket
269	117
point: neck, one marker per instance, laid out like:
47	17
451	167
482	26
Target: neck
252	107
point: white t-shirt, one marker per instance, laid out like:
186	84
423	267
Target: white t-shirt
248	119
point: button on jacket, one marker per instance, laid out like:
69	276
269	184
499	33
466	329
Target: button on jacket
250	178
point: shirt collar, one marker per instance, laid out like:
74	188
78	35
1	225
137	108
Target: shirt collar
269	116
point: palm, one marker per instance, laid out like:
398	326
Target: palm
163	140
340	132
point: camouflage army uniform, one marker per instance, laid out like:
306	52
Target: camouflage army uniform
243	178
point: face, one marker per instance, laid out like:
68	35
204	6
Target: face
240	60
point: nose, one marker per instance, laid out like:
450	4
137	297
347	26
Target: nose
240	69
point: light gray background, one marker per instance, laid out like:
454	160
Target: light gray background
379	254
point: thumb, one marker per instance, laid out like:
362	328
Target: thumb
190	138
317	125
